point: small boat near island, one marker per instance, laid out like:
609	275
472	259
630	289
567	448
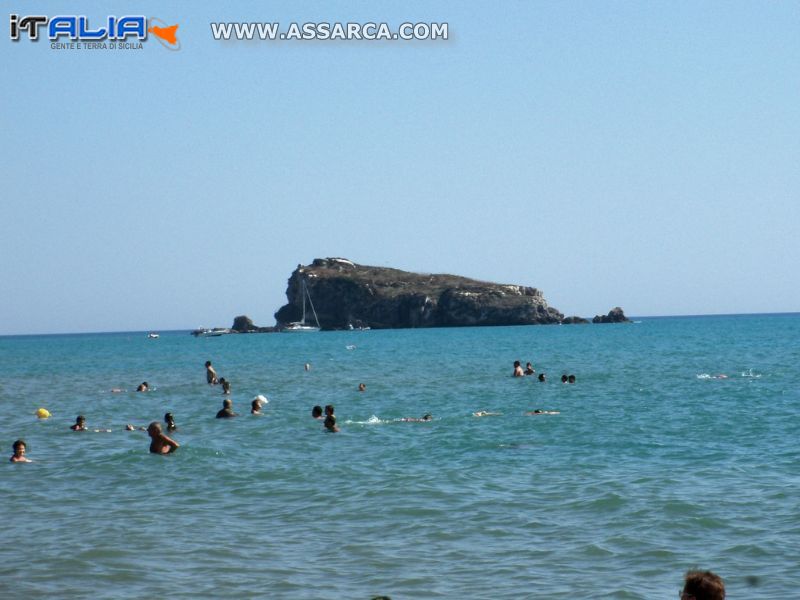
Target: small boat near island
152	336
301	326
215	332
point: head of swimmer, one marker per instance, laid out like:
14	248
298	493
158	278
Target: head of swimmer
227	403
154	429
316	412
20	447
329	409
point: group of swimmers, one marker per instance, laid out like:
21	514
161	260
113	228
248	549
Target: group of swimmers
329	420
529	370
162	444
212	379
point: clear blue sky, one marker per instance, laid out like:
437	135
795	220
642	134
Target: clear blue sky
642	154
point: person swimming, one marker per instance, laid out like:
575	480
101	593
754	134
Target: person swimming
529	370
518	369
426	417
170	422
543	412
571	379
227	410
255	406
564	379
80	424
484	413
330	424
542	378
20	448
143	387
362	387
226	385
316	412
160	443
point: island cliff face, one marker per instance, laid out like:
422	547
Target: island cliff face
346	294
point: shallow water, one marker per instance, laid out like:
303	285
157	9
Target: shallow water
654	465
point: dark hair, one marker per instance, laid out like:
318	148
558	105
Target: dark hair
80	418
227	403
541	376
316	411
19	443
330	422
516	363
208	363
169	417
704	585
329	409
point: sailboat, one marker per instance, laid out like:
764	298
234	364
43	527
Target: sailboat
300	326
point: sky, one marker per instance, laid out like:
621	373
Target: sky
634	154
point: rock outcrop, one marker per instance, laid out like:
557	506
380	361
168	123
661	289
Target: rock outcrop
615	315
346	294
574	321
244	324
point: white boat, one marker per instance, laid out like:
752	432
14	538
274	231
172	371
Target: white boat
300	326
152	336
204	332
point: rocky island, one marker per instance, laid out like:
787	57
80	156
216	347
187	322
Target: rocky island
346	294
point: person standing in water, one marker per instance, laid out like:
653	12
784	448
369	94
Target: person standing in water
170	421
227	410
160	443
518	369
211	374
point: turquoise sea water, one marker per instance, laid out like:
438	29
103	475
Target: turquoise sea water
654	465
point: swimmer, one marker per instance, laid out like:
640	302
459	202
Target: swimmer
529	370
226	386
563	379
20	448
330	424
255	406
518	369
426	417
117	390
143	387
170	421
130	427
484	413
211	374
543	412
329	410
227	410
160	443
362	387
308	366
542	378
571	379
80	424
316	412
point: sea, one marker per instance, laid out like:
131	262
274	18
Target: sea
675	449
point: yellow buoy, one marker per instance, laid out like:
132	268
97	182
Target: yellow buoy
43	413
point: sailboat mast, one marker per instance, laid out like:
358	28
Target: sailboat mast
305	293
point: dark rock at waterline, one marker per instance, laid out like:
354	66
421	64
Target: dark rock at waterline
347	294
574	321
244	324
615	315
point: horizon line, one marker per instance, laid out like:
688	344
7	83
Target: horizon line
183	329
